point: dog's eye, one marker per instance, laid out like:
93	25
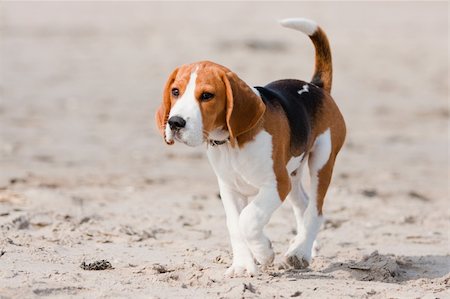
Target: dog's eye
206	96
175	92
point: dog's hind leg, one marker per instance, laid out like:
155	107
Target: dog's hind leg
299	200
321	162
298	197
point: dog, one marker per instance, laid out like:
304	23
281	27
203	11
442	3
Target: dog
258	141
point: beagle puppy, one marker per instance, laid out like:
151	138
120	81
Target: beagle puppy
258	141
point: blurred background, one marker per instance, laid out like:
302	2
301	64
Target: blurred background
80	82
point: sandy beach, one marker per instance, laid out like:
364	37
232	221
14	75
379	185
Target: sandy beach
85	176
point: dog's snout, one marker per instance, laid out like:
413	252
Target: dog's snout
176	123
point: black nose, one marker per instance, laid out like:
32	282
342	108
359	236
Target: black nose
176	123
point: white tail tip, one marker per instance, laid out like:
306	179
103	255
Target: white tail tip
304	25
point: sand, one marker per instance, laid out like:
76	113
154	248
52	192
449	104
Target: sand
86	180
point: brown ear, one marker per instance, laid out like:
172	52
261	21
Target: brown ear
244	107
162	114
159	118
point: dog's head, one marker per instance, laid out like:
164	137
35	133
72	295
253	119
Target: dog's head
204	101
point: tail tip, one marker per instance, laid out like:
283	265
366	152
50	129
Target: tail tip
306	26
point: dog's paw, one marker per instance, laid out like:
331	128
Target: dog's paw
264	257
300	253
263	253
298	257
296	262
240	270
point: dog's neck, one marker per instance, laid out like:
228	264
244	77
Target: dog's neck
217	142
218	137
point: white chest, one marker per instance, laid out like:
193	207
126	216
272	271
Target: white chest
245	169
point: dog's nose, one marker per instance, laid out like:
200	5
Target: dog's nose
176	123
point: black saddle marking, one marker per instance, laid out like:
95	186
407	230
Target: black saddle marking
300	109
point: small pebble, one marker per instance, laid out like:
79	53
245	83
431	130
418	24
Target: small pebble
97	265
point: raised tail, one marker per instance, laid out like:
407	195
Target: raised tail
323	73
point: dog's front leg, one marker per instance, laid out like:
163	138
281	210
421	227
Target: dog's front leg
234	202
252	220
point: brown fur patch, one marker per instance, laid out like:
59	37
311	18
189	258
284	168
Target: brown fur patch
244	108
162	114
276	124
328	117
323	72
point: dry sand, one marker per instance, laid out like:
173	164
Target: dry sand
84	176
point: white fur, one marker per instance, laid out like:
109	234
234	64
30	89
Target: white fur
243	173
304	25
218	134
308	220
305	88
294	163
322	151
298	197
233	203
187	107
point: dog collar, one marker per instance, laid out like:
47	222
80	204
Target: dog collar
217	142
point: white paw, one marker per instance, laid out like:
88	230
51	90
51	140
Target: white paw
263	253
297	261
240	270
298	257
264	258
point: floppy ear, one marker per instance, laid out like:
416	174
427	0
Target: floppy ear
159	118
244	107
162	114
